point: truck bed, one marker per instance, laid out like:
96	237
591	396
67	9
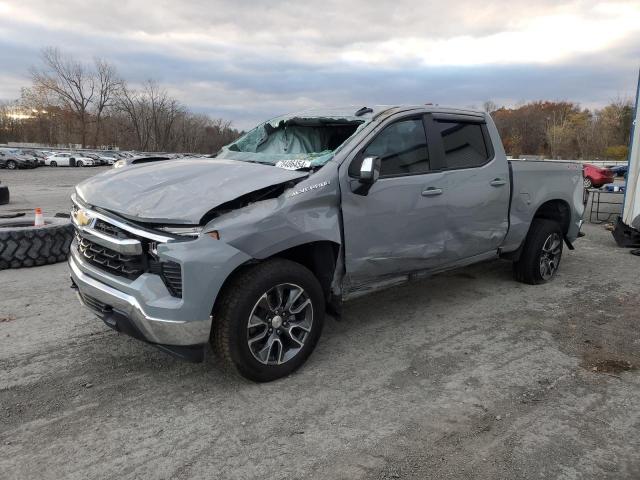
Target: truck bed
533	181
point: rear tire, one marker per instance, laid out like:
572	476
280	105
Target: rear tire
53	163
242	342
11	165
542	252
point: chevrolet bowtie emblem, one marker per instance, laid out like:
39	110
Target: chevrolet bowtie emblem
83	218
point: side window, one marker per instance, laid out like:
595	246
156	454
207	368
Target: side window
402	148
464	145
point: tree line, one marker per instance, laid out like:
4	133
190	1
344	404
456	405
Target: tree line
90	104
563	130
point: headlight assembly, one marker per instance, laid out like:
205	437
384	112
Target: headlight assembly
182	231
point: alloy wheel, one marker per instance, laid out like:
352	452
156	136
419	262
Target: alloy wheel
279	324
550	257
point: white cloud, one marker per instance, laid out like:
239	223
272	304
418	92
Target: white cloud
543	39
432	32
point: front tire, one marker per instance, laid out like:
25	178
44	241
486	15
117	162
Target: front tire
542	253
53	163
11	165
79	163
268	320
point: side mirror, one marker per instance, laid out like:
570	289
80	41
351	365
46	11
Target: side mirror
370	170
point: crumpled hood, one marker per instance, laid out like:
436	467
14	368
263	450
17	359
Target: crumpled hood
178	191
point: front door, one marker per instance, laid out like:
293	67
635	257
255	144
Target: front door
397	226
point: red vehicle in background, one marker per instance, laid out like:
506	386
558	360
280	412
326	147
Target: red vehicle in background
595	176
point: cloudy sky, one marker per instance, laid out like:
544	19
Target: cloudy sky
245	60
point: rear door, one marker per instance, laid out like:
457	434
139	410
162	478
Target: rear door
475	185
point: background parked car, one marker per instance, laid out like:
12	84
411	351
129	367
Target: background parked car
99	159
619	170
115	156
108	160
37	154
595	176
69	159
12	159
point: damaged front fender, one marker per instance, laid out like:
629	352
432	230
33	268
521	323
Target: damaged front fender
308	212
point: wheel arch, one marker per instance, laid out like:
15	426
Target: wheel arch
320	257
557	210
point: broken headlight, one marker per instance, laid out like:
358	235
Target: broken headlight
182	231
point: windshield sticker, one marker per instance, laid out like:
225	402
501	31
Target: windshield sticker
309	188
293	164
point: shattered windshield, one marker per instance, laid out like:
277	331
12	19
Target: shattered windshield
293	142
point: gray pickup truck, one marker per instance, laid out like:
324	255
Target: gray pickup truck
249	249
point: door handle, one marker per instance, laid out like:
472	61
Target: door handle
497	182
431	192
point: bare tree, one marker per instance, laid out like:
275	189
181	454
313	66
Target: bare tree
72	83
489	106
163	111
70	101
108	85
135	109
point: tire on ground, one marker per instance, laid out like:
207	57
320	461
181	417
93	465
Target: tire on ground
235	304
22	245
527	268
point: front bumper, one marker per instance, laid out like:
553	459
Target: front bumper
122	323
117	308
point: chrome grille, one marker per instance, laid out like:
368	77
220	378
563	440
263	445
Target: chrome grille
129	266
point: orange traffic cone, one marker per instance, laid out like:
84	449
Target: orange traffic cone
39	220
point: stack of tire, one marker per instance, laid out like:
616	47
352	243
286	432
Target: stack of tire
23	245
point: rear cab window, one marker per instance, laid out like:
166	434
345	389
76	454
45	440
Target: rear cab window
465	144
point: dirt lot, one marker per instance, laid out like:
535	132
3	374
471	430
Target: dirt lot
464	375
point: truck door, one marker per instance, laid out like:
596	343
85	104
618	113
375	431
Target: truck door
475	184
396	226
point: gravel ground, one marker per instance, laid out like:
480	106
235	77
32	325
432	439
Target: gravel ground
464	375
46	187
